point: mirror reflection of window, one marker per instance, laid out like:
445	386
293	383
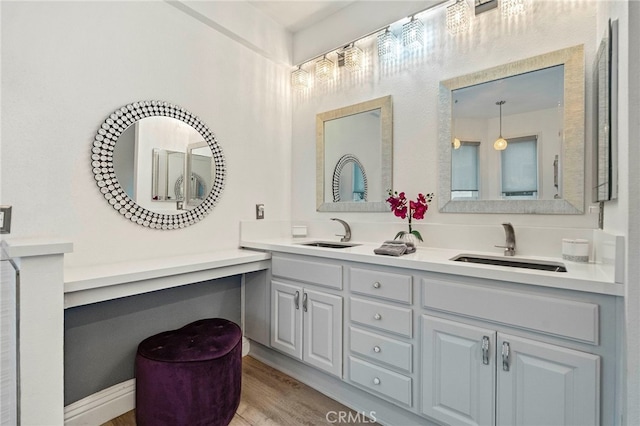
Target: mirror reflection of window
358	184
465	171
519	164
534	106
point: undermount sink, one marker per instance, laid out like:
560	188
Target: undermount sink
540	265
329	244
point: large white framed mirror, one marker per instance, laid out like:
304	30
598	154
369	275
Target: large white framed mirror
537	105
354	146
140	157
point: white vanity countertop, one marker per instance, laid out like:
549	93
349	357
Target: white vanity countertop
97	283
589	277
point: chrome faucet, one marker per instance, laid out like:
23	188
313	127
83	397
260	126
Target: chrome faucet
347	230
510	248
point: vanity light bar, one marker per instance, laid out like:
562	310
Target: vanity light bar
351	56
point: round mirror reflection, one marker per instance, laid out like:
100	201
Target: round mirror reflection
153	156
158	165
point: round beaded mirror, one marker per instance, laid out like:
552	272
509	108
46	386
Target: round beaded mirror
129	176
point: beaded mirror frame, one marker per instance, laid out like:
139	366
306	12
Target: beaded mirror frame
102	165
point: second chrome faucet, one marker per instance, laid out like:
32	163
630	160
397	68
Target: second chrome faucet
510	246
347	230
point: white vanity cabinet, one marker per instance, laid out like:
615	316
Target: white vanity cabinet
380	356
487	364
416	346
478	376
306	322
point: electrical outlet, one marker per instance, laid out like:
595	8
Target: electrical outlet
5	219
259	211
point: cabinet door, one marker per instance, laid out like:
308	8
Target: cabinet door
458	372
323	331
542	384
286	318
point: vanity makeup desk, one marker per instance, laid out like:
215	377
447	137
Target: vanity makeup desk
46	289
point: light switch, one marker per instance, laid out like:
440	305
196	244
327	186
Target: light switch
5	219
259	211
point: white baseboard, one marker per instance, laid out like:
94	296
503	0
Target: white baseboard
102	406
110	403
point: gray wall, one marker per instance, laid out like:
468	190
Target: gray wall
101	339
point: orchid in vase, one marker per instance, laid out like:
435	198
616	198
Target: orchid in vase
411	210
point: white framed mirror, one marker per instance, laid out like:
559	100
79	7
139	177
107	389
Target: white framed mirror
130	161
506	101
354	148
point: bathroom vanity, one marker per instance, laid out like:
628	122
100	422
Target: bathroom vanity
421	338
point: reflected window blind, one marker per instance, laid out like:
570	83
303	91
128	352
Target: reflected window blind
520	167
464	170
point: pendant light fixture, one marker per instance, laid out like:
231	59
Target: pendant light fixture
300	78
353	57
512	7
413	34
458	17
387	45
324	69
500	143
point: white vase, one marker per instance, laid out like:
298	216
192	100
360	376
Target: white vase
409	238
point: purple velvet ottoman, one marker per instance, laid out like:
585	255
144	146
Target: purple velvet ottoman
190	376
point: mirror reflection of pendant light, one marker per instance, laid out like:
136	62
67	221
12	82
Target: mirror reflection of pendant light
456	143
324	69
500	143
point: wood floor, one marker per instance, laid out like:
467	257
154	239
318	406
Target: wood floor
271	398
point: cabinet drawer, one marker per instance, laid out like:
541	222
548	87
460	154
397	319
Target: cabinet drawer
395	287
380	348
380	380
561	317
382	316
324	274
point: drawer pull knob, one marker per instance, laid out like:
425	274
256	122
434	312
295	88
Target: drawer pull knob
376	284
377	316
376	349
376	381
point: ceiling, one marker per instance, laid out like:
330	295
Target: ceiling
295	15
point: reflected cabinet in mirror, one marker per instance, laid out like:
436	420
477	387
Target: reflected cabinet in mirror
512	137
353	157
158	165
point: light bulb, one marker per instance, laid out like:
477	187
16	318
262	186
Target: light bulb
456	143
500	144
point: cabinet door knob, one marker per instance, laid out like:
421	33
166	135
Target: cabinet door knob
376	284
377	316
376	349
376	381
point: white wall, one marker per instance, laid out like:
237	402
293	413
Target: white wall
413	83
67	65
